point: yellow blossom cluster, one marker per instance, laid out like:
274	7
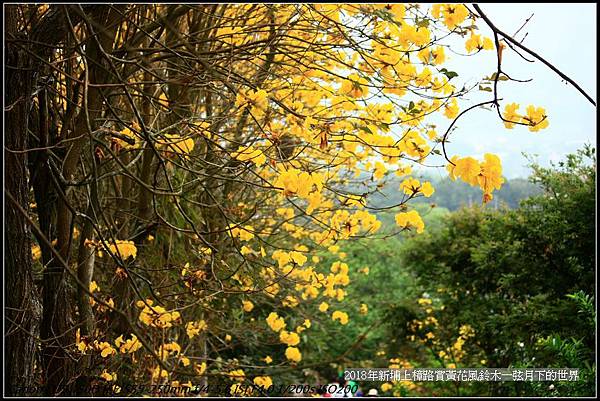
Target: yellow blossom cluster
247	306
129	139
169	349
451	14
175	144
256	100
451	108
237	374
342	317
412	186
194	328
299	183
251	153
456	351
433	56
290	301
109	377
343	224
536	118
128	346
355	86
244	233
305	325
284	258
104	347
289	338
487	174
120	248
476	43
157	316
275	322
293	354
264	382
411	219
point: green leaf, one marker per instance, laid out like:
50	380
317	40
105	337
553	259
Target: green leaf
423	23
385	15
493	77
366	129
485	88
449	74
383	126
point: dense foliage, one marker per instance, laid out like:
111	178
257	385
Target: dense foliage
496	288
188	183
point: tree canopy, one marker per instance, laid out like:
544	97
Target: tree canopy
181	177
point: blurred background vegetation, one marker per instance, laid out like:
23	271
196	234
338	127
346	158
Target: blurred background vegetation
511	284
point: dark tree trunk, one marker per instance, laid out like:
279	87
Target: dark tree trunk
22	308
58	325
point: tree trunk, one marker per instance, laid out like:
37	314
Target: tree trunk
22	308
57	324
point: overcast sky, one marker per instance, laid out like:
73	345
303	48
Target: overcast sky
565	35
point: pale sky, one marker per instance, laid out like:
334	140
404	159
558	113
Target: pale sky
565	35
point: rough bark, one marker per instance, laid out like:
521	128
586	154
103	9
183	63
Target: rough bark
57	331
22	308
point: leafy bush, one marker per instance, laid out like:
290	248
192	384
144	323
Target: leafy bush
519	278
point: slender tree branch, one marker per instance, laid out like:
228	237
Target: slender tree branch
534	54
